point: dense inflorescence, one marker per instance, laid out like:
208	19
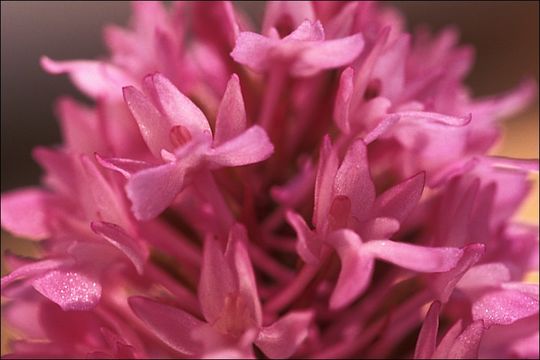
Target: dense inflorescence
320	189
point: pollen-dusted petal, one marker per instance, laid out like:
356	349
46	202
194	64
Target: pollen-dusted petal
171	325
356	267
353	180
231	118
504	307
414	257
133	248
251	146
281	339
95	78
308	245
398	201
71	289
25	213
425	345
152	190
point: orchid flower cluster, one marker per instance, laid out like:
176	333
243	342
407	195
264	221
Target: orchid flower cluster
318	189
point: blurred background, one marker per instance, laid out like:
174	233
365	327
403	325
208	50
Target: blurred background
504	33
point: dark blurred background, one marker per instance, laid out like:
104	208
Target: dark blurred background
505	35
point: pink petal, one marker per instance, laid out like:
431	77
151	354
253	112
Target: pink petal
179	108
171	325
216	281
25	213
425	345
153	126
126	167
33	268
253	50
72	290
231	118
281	339
398	201
467	344
435	118
95	78
133	248
484	275
308	245
343	100
378	228
238	257
152	190
356	268
353	180
251	146
328	55
326	173
385	124
443	284
414	257
296	11
448	340
504	307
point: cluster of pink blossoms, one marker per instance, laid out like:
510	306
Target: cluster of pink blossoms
320	189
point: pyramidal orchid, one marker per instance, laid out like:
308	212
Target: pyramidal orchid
318	188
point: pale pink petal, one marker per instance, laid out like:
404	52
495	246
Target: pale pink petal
251	146
387	122
281	339
307	245
238	257
25	213
528	347
152	190
343	100
427	339
326	173
377	228
154	128
435	118
95	78
231	117
71	289
414	257
356	268
484	275
444	283
353	180
253	50
328	55
504	307
179	108
467	344
133	248
306	31
216	281
171	325
398	201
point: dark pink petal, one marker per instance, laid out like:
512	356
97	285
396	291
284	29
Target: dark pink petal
71	289
25	213
427	339
281	339
216	282
95	78
343	100
326	173
398	201
253	50
504	307
251	146
308	245
353	180
356	267
467	344
152	190
328	55
133	248
171	325
179	108
153	126
238	257
443	284
231	118
414	257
